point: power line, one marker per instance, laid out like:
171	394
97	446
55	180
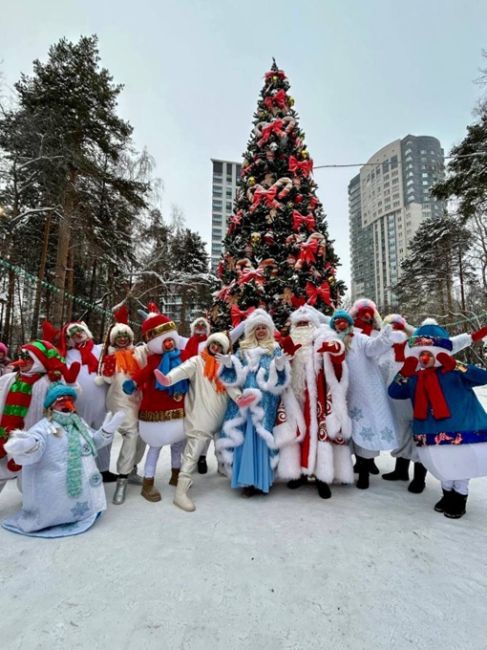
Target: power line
374	164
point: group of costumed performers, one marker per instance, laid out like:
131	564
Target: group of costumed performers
292	408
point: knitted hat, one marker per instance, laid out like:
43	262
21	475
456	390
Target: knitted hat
158	325
56	391
46	354
429	336
121	326
221	338
258	317
340	314
201	319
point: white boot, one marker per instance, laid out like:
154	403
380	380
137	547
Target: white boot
181	498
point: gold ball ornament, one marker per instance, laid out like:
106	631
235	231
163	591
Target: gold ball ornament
255	238
251	180
275	78
304	153
291	101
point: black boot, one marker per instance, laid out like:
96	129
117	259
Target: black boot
323	489
373	469
455	507
363	473
202	466
109	477
417	485
442	504
297	482
401	471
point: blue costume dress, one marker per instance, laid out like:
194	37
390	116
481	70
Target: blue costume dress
454	447
246	445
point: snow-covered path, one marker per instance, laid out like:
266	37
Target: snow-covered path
366	569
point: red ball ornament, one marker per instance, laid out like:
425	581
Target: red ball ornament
298	199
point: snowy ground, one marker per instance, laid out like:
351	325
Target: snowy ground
366	569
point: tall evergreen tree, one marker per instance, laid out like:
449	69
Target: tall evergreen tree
277	251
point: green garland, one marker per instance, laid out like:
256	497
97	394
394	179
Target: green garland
19	271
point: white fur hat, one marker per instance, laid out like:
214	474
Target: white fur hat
118	329
221	338
258	317
201	319
306	313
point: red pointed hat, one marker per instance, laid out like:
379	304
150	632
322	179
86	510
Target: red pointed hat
156	323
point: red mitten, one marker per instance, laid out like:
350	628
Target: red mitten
479	334
447	362
333	347
287	344
109	365
13	467
399	351
409	367
71	373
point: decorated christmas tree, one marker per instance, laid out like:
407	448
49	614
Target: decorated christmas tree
277	254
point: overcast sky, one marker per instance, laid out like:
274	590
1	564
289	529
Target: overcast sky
362	73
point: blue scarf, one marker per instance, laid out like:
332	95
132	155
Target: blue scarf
75	429
169	361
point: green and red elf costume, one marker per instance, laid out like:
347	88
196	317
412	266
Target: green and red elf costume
22	394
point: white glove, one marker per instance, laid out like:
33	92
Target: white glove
112	422
224	360
20	442
280	362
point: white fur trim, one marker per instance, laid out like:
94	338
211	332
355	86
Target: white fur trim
81	325
271	385
258	317
221	339
199	320
241	373
121	328
324	470
343	466
289	466
305	313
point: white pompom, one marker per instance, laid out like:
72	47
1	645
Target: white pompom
430	321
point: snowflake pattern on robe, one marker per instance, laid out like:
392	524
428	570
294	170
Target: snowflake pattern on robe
80	509
356	413
367	433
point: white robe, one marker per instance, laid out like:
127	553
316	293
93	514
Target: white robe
90	403
46	503
373	425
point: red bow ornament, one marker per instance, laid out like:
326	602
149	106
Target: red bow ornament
313	293
308	251
303	220
238	315
249	275
267	197
273	127
305	166
279	100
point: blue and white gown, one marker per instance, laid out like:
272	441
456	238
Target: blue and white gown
246	445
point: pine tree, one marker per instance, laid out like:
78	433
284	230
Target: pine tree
277	253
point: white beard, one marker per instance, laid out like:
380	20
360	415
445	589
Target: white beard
303	335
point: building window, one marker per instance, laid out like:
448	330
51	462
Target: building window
217	167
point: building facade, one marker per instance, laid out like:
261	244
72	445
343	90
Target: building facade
388	199
223	190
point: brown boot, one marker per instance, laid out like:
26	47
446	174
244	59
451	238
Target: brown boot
149	492
174	476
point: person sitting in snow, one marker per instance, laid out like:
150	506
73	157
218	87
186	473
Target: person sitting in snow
119	361
77	345
62	490
161	411
450	424
205	407
22	393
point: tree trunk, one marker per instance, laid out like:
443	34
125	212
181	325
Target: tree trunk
10	307
64	239
41	276
70	285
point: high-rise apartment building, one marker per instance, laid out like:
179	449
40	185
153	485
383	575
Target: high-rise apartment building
388	199
224	188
